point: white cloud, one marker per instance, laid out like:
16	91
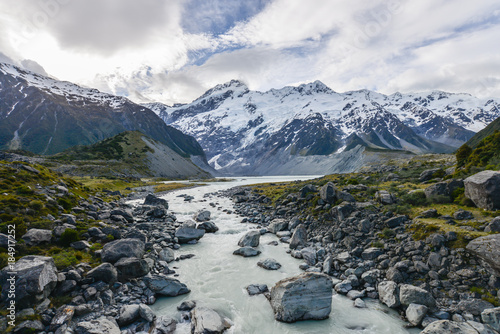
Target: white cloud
173	51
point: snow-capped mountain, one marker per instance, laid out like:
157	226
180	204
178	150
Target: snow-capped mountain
242	130
46	116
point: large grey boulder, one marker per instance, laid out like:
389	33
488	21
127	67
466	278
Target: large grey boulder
153	200
388	292
35	279
299	237
36	236
304	297
131	267
115	250
491	317
101	325
202	216
449	327
487	249
277	225
250	239
187	234
483	189
105	272
410	294
207	321
328	193
165	286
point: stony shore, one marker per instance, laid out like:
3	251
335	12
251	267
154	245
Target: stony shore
112	297
438	288
433	285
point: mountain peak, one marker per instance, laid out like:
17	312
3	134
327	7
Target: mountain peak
227	88
315	87
230	84
66	89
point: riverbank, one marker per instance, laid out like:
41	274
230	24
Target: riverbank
110	264
348	231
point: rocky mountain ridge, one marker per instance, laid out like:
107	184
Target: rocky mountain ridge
47	116
242	130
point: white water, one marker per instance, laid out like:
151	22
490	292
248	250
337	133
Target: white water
217	278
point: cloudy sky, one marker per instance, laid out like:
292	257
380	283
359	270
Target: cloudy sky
173	50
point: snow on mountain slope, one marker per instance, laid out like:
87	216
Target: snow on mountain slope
238	128
72	92
47	116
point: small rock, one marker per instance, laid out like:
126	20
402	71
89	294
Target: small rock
256	289
165	286
117	249
205	321
491	317
153	200
187	305
415	313
409	294
462	215
101	325
447	326
105	272
37	236
246	252
167	255
146	313
188	234
209	227
359	303
80	245
202	216
389	293
269	264
250	239
299	237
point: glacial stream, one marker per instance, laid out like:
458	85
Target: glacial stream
217	278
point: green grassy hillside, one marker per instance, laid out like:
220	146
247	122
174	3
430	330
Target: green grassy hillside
487	131
485	155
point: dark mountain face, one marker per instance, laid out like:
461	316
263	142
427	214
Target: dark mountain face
46	116
308	136
437	128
